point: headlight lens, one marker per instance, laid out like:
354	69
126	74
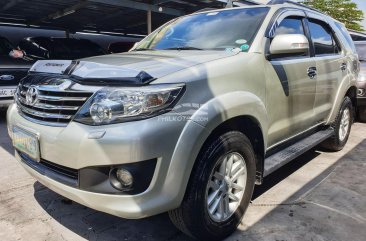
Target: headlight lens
116	105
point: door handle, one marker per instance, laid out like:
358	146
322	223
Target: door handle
343	66
312	72
6	77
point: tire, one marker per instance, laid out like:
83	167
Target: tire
342	127
193	216
362	114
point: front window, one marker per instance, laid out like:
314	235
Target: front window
218	30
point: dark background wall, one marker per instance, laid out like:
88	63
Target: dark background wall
15	34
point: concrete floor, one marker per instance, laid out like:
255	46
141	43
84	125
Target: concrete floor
320	196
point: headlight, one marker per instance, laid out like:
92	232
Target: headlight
115	105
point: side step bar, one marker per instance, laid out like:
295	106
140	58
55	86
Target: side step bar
281	158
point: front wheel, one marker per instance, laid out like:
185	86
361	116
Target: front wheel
220	189
342	127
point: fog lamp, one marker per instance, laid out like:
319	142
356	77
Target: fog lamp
121	179
124	177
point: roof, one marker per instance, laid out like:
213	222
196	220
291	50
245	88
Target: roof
109	16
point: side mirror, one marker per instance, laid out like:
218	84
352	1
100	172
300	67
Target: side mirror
289	44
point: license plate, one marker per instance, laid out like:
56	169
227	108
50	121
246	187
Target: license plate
26	142
7	92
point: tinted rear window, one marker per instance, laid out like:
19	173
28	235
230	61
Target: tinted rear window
323	39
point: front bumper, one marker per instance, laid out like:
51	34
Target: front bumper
76	147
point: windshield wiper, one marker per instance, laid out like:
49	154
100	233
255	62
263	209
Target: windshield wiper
183	48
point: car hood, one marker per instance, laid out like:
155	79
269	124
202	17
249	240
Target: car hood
130	67
160	63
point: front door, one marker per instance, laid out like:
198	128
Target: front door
291	88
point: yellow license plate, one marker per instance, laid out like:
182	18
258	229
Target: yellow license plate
26	142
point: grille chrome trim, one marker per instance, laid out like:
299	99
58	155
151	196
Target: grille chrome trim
50	107
53	106
42	114
58	98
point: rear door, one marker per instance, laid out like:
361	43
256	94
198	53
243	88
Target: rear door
290	89
331	65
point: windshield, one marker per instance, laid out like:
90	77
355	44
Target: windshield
235	28
361	50
5	46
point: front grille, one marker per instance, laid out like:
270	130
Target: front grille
54	107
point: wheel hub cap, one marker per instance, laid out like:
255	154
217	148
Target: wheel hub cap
226	187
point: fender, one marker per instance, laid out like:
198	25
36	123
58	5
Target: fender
198	129
338	99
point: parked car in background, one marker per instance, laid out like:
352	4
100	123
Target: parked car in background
120	47
12	70
361	84
360	43
39	48
357	36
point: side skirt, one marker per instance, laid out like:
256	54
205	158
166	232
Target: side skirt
286	155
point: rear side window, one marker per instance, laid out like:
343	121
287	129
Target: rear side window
346	35
290	25
323	39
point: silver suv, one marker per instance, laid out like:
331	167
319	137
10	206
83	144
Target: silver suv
192	118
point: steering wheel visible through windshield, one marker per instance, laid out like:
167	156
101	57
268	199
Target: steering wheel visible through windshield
215	30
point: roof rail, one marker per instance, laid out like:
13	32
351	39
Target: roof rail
231	3
274	2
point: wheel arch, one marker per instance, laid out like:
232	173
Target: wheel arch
240	110
251	128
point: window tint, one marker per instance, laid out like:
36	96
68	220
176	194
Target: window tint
290	26
323	39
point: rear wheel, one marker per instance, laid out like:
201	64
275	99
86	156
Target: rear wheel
342	127
220	189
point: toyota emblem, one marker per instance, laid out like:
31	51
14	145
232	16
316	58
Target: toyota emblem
31	96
